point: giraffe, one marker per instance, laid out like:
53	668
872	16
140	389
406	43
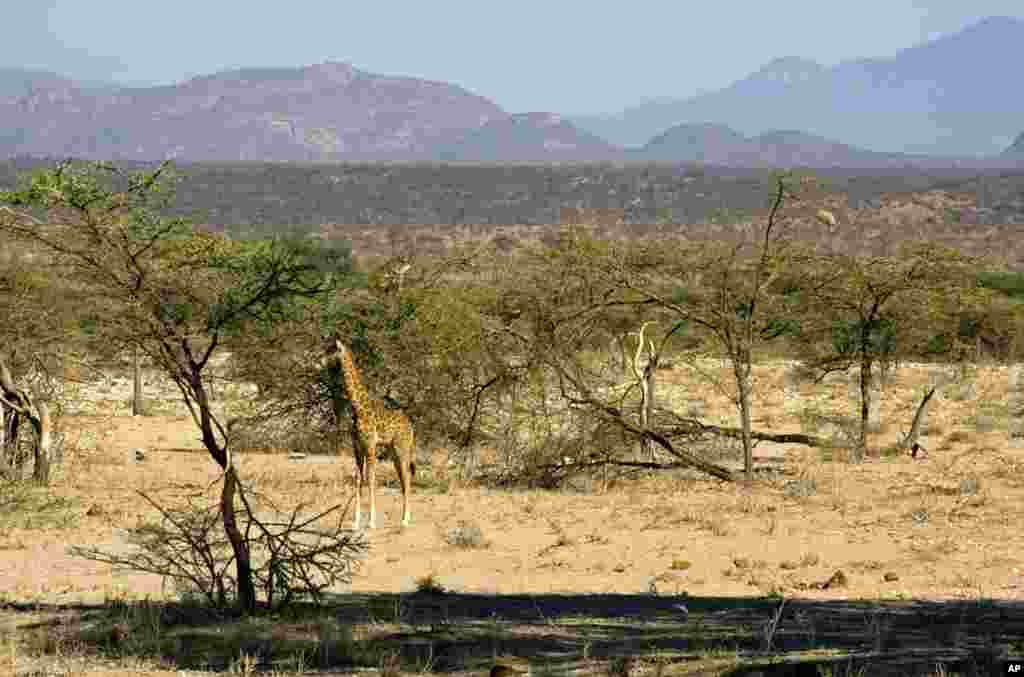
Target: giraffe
374	425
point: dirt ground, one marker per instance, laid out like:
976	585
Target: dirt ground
944	526
915	518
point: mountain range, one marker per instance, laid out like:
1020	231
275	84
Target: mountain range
955	95
949	101
721	145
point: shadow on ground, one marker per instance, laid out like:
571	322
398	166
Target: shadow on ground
561	634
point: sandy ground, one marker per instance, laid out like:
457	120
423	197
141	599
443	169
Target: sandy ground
941	527
909	521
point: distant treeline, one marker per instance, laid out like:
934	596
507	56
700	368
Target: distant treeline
311	194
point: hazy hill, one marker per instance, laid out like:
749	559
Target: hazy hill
636	126
955	95
721	145
528	137
329	111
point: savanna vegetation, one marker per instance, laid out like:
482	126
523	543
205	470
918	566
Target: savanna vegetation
550	354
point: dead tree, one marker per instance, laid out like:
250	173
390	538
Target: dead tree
17	404
909	441
644	374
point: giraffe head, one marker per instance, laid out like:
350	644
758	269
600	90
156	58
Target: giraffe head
335	352
332	348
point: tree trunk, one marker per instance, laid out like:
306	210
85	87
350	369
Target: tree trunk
741	367
865	405
11	463
624	355
220	454
17	458
243	564
44	440
5	456
646	447
644	374
915	426
136	383
14	458
649	386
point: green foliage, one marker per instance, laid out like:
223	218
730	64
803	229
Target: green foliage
683	296
86	187
881	337
195	280
303	273
1009	283
940	344
365	326
778	327
968	329
88	326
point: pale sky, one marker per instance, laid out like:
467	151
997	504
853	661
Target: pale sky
565	56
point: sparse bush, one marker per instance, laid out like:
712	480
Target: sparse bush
969	486
802	488
24	506
430	584
466	535
291	559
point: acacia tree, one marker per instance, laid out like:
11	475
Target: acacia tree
867	310
563	308
723	290
155	283
420	327
18	403
38	311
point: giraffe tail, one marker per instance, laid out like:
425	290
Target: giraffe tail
412	467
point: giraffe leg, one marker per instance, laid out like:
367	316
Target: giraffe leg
402	468
371	480
357	476
403	457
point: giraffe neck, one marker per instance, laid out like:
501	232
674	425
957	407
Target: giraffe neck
354	386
